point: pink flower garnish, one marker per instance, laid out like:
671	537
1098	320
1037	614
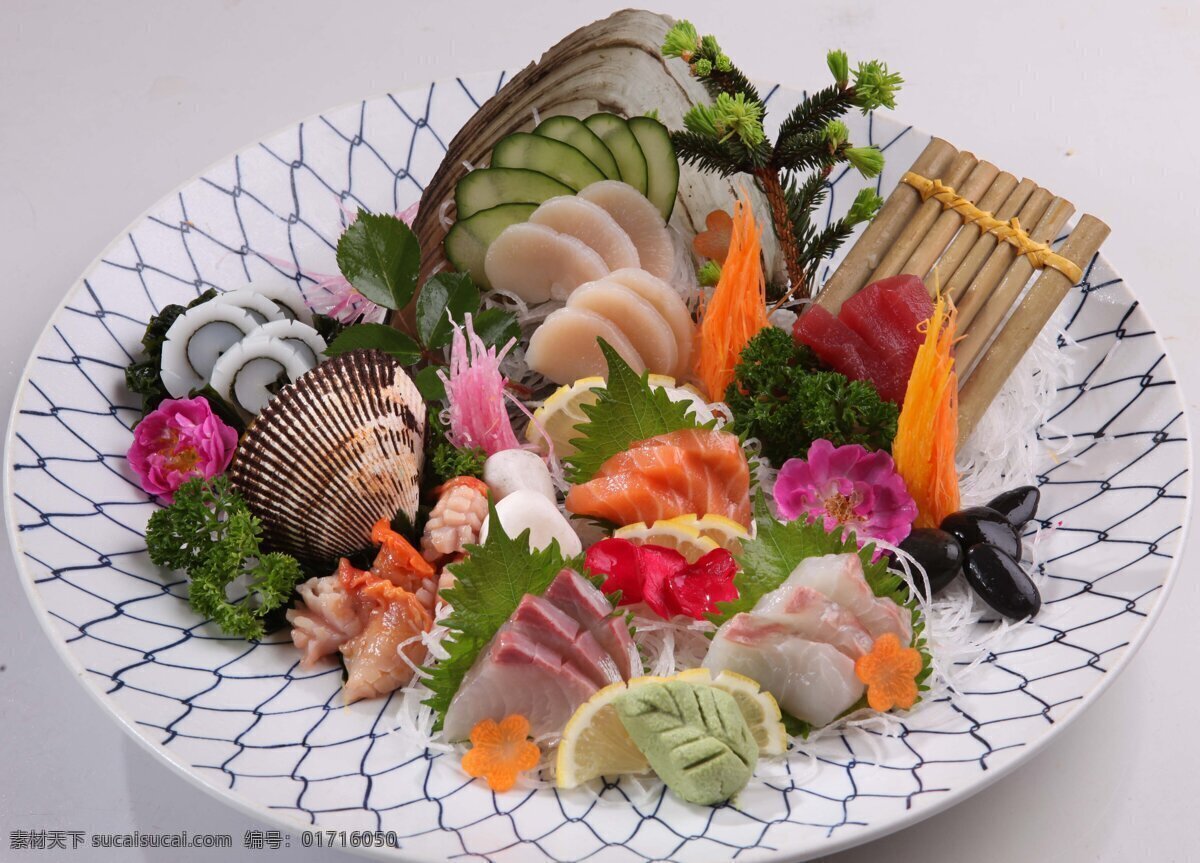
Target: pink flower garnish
180	440
663	579
475	391
333	296
849	487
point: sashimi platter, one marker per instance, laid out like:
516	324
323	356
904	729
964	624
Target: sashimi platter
621	460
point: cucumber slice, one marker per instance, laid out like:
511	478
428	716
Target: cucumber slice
571	131
491	187
662	166
467	241
615	134
535	153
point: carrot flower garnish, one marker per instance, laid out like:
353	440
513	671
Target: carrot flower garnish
713	242
890	672
500	751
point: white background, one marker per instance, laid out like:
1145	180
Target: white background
104	108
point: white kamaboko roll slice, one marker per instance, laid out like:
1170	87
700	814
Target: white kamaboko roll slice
641	323
287	296
565	347
262	308
250	373
668	303
197	340
640	219
299	335
590	223
537	263
840	578
810	680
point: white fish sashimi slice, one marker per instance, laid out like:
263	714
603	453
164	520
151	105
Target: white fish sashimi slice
537	263
565	347
590	223
640	219
299	335
196	340
289	299
816	617
641	323
250	373
840	578
810	680
261	307
668	303
517	675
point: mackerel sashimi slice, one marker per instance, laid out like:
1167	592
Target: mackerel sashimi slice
575	595
701	471
542	621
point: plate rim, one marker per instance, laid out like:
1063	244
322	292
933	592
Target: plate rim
230	797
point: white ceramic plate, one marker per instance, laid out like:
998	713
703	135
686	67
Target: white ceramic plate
244	722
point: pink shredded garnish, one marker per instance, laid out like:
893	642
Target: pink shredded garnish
475	391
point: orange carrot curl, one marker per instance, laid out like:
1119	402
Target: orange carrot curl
928	428
738	307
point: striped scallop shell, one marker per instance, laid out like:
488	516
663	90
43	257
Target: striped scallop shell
333	453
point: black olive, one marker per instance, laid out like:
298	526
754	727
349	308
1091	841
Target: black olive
939	552
977	524
1018	505
1000	582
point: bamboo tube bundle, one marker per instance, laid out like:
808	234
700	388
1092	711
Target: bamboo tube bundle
981	235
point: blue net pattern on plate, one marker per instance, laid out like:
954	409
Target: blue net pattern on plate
247	718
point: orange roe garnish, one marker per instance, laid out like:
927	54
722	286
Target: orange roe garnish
501	751
927	431
889	671
714	242
737	309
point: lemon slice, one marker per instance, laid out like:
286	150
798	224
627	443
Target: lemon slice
725	532
757	705
563	410
672	533
559	415
595	743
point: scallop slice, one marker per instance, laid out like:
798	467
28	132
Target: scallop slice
670	305
641	323
565	347
590	223
197	340
262	308
250	373
289	299
640	219
300	336
537	263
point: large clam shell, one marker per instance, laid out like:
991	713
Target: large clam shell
610	65
333	453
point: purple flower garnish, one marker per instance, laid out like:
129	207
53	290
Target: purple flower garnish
179	440
848	487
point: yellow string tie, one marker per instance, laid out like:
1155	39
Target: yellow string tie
1040	254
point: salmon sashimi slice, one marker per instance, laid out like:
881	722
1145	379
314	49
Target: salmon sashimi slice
546	624
325	618
810	680
375	658
580	599
518	675
692	471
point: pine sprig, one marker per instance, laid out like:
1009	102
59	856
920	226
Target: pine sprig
489	584
707	153
627	410
815	111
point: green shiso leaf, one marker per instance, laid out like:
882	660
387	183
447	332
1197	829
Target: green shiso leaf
496	327
444	297
489	584
627	410
379	255
381	337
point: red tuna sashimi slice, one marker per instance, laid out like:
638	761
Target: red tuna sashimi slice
838	346
543	622
518	675
579	598
887	315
